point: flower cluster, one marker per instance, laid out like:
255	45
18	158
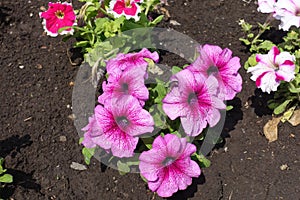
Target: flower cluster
98	21
123	116
288	11
275	67
62	15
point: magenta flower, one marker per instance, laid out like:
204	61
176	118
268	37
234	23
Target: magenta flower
128	8
273	68
116	126
266	6
58	15
168	166
288	11
124	61
129	82
194	100
220	63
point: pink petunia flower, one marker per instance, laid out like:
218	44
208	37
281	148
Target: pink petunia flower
273	68
220	63
58	15
288	11
194	100
266	6
128	8
129	82
129	60
168	166
116	126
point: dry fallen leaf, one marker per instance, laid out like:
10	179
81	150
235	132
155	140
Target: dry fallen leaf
78	166
175	23
271	129
295	119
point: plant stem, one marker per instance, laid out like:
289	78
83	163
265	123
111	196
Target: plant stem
263	28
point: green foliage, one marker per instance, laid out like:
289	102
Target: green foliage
95	25
125	164
228	108
203	162
4	177
176	69
250	62
87	152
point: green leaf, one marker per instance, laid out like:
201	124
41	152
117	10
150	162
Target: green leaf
157	20
294	89
228	108
158	116
272	104
250	62
161	90
204	162
1	168
266	45
81	140
281	108
245	41
250	35
245	26
81	44
148	142
288	114
6	178
123	168
176	69
88	153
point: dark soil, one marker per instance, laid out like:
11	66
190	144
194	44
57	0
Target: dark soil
35	75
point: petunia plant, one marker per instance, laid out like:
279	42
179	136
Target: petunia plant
144	124
274	65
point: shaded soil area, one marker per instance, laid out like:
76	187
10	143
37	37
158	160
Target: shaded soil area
39	141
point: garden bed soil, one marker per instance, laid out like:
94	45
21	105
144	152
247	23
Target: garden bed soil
39	141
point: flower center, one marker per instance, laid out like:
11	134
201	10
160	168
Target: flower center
168	161
125	87
192	99
122	122
59	14
212	70
128	3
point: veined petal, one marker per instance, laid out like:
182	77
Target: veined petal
175	146
268	82
193	125
173	105
266	6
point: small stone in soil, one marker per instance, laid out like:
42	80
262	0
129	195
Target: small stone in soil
39	66
62	138
72	117
284	167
